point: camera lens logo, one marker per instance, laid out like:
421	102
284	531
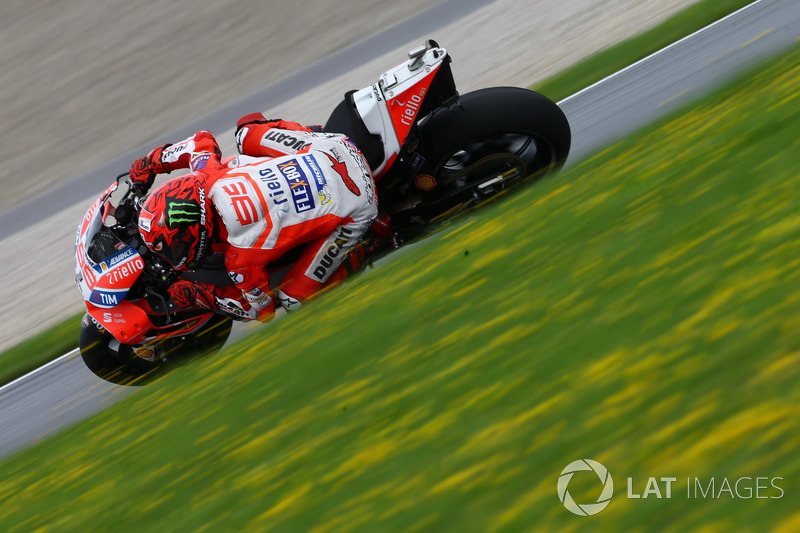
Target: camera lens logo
586	509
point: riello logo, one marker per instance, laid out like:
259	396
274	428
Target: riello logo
585	509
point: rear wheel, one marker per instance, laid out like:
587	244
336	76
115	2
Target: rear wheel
122	364
495	139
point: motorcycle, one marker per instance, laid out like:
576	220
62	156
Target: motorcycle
434	154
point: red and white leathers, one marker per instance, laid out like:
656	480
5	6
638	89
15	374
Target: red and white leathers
306	188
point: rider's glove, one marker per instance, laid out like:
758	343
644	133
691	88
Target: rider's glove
144	170
259	118
382	227
253	118
193	294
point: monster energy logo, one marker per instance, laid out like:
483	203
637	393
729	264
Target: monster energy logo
181	213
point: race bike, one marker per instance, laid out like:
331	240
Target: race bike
433	152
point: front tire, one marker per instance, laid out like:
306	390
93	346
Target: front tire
119	364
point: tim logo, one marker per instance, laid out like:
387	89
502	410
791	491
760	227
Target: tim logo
298	185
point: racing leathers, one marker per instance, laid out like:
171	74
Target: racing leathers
298	187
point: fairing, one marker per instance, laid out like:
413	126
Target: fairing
105	271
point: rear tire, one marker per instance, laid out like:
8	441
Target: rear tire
495	111
494	139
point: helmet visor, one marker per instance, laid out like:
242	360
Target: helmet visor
176	254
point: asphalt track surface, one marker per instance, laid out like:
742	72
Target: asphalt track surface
64	391
25	213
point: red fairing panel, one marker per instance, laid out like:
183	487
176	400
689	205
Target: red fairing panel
127	322
404	108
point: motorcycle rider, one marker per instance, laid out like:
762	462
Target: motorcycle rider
307	188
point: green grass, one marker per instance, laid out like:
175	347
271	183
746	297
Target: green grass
40	349
617	57
53	343
642	309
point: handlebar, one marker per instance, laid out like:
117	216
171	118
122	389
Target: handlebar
140	189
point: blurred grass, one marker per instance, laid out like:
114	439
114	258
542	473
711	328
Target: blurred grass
619	56
40	349
51	344
641	309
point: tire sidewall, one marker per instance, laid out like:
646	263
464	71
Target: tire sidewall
493	111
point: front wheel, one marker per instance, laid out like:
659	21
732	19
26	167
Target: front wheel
494	139
123	364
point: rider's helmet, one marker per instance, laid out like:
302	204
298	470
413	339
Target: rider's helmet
174	222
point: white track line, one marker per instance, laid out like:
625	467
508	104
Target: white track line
45	366
658	53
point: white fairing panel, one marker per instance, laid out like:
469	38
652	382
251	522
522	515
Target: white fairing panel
371	102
